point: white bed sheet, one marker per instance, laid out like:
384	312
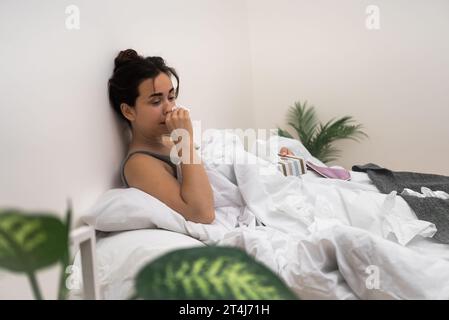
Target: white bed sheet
120	255
321	234
361	181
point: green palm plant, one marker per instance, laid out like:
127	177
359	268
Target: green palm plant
315	136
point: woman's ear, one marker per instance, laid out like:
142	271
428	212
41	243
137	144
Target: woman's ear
127	111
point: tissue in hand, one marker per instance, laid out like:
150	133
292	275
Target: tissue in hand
180	107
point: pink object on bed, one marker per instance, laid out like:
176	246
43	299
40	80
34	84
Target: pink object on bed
332	173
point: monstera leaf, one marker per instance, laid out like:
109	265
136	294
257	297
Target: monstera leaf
29	242
209	273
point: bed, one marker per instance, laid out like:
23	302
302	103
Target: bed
323	237
120	255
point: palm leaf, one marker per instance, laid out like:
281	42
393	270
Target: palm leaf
209	273
328	154
332	131
318	138
304	120
284	133
342	129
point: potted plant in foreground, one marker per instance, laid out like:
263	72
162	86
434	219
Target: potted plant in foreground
318	138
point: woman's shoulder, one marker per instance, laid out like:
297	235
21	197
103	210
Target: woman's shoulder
139	156
139	164
165	151
147	160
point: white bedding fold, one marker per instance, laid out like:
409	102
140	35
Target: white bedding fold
322	235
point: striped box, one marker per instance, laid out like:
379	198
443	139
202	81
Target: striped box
292	165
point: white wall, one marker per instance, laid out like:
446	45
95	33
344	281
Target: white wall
395	81
59	137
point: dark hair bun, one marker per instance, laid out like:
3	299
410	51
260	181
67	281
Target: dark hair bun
158	61
126	56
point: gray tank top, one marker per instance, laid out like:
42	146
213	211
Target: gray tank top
156	155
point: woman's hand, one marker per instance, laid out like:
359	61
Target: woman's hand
179	118
286	152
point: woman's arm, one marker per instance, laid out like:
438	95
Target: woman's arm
151	176
193	198
196	189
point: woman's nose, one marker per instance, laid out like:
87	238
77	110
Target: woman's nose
168	108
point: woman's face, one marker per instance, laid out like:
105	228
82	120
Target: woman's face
156	98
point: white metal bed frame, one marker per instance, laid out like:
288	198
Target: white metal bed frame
83	238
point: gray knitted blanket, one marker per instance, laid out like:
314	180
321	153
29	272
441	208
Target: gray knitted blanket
430	209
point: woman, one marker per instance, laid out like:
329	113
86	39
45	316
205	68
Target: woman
142	93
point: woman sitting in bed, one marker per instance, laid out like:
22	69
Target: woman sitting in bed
142	93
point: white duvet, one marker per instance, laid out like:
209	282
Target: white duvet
327	239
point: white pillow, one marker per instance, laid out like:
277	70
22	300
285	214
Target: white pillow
124	209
